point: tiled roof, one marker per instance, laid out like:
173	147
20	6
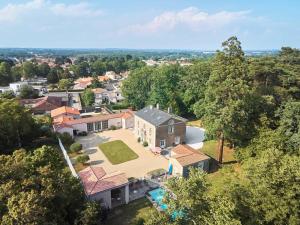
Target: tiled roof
155	116
98	90
64	110
127	115
95	180
186	155
93	119
46	103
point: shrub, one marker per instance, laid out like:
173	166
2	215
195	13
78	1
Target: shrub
139	140
82	159
113	127
139	221
76	147
66	139
145	143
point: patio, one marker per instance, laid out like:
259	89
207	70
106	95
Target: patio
137	168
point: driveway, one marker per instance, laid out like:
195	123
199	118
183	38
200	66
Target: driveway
195	137
137	168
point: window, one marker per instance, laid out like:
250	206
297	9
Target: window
171	127
138	124
150	131
201	165
162	143
90	127
177	140
105	124
98	126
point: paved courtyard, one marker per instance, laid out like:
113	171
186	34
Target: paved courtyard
138	168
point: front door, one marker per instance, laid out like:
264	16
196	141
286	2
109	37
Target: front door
177	140
162	143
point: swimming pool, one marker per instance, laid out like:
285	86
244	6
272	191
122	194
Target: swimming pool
157	196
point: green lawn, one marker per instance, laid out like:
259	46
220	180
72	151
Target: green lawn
210	148
117	152
129	214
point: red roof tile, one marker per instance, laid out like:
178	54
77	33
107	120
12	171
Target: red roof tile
64	110
95	180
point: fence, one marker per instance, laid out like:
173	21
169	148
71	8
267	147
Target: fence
67	158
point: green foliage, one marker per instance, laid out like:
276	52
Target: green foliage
113	127
145	143
8	95
43	69
66	139
27	92
91	215
136	89
96	83
82	159
65	84
273	192
53	75
228	105
5	74
88	97
36	189
139	139
76	147
29	69
16	124
289	126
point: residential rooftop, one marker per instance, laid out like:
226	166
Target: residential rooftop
186	155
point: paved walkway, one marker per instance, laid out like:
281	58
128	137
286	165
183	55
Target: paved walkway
137	168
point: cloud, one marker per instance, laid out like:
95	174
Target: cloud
15	12
75	10
11	12
192	18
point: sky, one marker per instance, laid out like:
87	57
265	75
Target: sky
149	24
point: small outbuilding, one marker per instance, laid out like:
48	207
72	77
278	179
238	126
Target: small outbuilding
110	189
183	157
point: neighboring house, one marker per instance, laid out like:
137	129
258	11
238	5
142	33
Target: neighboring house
16	86
92	124
82	83
110	189
183	157
112	75
159	128
5	89
42	105
100	95
65	111
66	97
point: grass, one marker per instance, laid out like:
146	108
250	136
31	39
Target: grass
117	152
80	166
129	214
210	148
194	123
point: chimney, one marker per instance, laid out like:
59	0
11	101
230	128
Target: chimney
157	106
151	106
169	110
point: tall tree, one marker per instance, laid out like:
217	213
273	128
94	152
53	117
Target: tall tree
136	89
226	109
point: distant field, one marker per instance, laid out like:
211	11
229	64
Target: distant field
117	152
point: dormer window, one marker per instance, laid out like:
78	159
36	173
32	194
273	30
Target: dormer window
171	127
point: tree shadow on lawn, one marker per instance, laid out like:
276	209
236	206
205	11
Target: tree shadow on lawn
90	151
96	162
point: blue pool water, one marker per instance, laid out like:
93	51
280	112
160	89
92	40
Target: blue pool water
157	196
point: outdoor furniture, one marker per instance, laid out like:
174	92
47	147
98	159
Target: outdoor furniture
156	150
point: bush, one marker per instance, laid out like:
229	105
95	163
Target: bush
139	221
113	127
75	147
82	159
82	133
66	139
139	140
145	143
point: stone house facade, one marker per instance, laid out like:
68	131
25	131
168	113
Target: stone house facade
159	128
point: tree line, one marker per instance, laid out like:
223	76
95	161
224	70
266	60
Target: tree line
249	103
